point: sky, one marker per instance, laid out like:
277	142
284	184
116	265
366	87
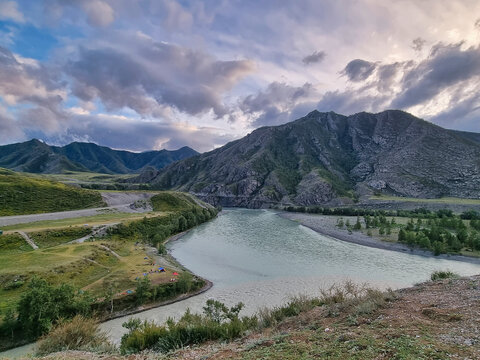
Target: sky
153	74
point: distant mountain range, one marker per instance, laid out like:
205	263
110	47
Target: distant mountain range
35	156
328	158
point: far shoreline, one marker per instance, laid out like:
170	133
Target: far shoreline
313	222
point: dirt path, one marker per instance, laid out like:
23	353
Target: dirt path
121	202
28	240
97	231
111	251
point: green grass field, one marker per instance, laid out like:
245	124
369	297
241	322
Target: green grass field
23	194
120	259
444	200
76	177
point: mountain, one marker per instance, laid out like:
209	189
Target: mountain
37	157
328	158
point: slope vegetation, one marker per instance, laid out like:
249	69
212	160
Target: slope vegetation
21	194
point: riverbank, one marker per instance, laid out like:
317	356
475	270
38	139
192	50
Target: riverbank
431	320
327	225
166	260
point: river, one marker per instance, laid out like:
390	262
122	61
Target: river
262	259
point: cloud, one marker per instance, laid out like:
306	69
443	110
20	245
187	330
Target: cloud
9	130
99	12
315	57
278	103
9	11
358	70
418	44
116	132
25	80
150	77
447	66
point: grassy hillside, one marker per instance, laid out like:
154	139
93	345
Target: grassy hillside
111	266
21	194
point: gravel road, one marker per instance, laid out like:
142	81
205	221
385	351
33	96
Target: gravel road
117	201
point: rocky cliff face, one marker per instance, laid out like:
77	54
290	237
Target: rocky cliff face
327	158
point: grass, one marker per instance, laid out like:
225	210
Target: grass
76	177
441	275
49	238
22	194
82	265
172	201
11	244
78	334
443	200
99	219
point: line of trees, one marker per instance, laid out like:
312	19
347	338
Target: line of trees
351	211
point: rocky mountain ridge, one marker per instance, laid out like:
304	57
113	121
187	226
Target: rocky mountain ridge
37	157
332	159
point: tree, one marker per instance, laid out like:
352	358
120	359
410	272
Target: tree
184	282
9	323
110	289
402	236
357	225
143	290
42	305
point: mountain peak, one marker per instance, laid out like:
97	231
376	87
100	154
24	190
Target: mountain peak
332	159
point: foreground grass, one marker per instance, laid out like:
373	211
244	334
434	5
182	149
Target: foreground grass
22	194
427	321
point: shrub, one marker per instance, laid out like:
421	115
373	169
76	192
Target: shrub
440	275
217	323
78	334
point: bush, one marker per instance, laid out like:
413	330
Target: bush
217	323
440	275
78	334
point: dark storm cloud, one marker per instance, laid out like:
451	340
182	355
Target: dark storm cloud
447	66
316	57
359	70
151	76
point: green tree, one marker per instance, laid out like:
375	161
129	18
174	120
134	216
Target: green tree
184	282
143	292
42	305
9	323
357	225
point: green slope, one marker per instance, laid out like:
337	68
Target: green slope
21	194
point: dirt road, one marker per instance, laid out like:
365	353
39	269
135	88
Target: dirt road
117	201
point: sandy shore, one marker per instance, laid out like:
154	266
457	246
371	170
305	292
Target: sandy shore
326	225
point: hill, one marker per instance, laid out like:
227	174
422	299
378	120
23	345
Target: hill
21	194
35	156
327	158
